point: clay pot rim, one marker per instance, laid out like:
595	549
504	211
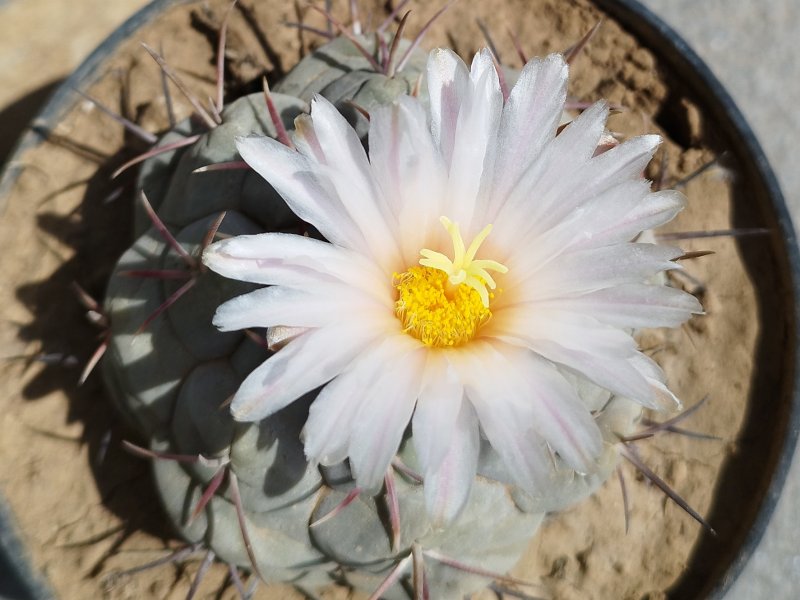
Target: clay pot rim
674	54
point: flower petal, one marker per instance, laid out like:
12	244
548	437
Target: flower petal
601	173
347	168
333	413
294	260
594	224
564	180
474	142
633	306
448	484
662	398
531	323
626	161
493	389
618	375
544	405
295	178
305	363
435	416
615	220
383	418
364	412
528	124
447	84
559	414
594	269
540	190
280	305
409	170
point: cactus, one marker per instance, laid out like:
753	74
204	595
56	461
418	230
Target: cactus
245	490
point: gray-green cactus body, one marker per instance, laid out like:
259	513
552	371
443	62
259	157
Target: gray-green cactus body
340	73
171	380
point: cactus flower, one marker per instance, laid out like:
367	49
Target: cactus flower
476	262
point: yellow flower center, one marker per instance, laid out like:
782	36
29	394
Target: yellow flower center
444	302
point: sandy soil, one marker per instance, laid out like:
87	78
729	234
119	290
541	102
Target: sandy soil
87	510
40	43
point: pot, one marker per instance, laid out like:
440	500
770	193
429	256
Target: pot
749	484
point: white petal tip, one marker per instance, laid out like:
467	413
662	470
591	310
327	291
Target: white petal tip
651	141
210	256
240	416
244	410
246	141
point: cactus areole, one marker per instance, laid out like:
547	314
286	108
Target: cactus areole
426	345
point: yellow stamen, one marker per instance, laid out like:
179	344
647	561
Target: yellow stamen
444	302
464	268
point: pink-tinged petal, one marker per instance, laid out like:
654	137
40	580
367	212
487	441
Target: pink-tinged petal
278	336
474	143
448	81
347	168
621	221
590	270
568	186
617	375
384	416
448	485
409	170
282	306
327	432
540	190
504	412
295	261
601	173
529	121
662	398
333	413
648	367
305	363
531	323
560	416
595	224
305	139
626	161
296	179
633	306
435	416
560	182
582	135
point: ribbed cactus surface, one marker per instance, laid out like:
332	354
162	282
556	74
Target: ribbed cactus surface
171	378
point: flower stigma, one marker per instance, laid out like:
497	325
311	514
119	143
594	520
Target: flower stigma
444	302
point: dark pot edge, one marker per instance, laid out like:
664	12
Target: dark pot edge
673	49
59	101
18	580
635	18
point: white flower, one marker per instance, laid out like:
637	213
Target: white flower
472	258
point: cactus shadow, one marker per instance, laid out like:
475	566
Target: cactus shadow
282	431
15	117
96	232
